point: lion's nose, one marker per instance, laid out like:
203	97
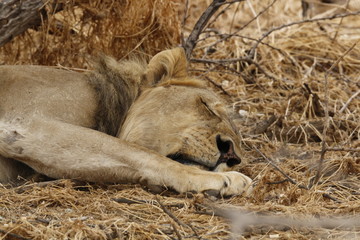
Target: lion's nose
227	153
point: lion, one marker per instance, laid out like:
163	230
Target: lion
124	122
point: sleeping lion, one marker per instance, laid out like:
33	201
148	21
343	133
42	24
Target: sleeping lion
125	122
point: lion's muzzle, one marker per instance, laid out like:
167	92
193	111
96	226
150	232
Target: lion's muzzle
227	153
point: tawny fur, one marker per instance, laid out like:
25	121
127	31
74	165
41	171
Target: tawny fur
62	123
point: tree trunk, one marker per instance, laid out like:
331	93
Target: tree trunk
16	16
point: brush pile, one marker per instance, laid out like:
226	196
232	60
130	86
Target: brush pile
292	83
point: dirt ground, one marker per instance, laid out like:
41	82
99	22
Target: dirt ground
292	83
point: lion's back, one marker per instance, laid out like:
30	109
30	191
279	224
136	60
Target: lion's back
47	91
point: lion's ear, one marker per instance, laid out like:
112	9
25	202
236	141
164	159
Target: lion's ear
165	65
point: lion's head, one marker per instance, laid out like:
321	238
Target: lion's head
181	119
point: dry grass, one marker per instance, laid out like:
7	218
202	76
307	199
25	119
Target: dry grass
300	77
84	28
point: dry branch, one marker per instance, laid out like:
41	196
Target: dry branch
13	235
234	60
173	217
349	101
16	16
201	24
262	127
279	169
227	36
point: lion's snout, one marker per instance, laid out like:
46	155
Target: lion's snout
227	153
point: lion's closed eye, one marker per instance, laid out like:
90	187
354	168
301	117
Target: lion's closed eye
213	109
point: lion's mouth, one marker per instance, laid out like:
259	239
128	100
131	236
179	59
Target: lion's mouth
227	157
187	160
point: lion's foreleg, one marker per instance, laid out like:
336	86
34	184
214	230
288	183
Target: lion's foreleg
61	150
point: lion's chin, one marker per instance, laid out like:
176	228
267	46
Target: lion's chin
221	166
180	158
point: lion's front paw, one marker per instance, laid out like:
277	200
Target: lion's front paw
236	184
233	183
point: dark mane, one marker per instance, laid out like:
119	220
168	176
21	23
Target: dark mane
117	85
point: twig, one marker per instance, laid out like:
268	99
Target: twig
176	231
224	37
218	15
343	149
327	119
280	170
13	235
173	217
233	19
184	21
57	182
139	201
227	36
129	201
325	195
278	182
201	24
233	60
261	127
340	23
217	86
265	35
42	220
349	101
231	71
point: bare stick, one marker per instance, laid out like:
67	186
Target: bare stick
12	235
129	201
340	23
244	26
201	24
343	149
224	37
265	35
325	195
186	10
279	169
176	232
218	86
349	101
173	217
264	125
56	182
233	60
